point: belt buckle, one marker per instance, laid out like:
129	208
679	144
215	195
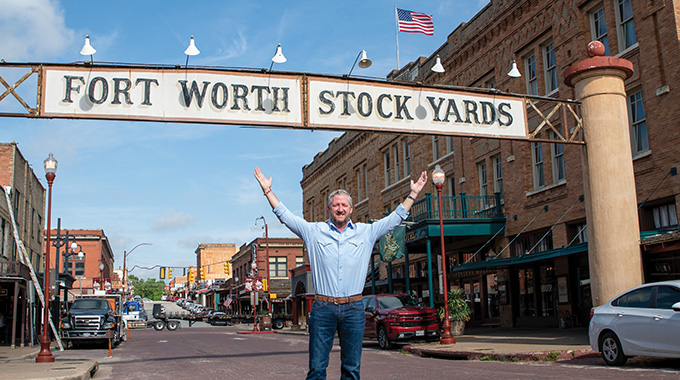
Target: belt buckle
335	300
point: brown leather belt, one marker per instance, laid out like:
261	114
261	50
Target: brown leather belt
338	300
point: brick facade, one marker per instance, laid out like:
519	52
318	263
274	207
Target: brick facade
478	54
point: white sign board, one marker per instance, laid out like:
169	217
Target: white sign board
172	95
368	106
273	99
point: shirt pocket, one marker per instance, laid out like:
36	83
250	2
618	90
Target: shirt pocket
327	246
355	247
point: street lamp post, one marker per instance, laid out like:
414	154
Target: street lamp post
101	275
266	259
438	177
67	255
45	355
125	255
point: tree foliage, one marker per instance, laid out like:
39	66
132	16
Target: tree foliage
149	288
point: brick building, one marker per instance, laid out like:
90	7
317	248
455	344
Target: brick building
515	226
212	261
96	250
27	204
285	254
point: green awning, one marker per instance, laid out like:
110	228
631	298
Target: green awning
528	258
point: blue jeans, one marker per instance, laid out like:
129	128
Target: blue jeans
349	321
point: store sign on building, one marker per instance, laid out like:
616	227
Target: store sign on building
277	100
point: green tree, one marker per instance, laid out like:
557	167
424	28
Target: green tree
149	288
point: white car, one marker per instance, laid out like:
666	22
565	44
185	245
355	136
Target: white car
643	321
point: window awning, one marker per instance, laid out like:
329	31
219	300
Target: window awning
518	260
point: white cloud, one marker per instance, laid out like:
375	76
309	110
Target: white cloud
173	221
33	30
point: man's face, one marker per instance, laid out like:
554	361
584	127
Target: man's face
340	210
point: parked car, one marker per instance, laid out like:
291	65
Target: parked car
398	318
644	320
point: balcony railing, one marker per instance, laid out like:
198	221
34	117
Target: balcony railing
14	269
462	206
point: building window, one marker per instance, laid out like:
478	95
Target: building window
598	27
483	184
498	175
625	23
324	195
449	144
388	168
342	183
638	123
395	156
435	148
80	268
665	216
452	186
406	149
550	68
582	233
532	81
490	83
557	153
278	267
359	188
365	181
299	261
537	163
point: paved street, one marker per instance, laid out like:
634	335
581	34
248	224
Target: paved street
221	353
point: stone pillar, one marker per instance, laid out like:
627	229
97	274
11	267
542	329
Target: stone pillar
608	177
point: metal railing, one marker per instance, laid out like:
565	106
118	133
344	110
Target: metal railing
462	206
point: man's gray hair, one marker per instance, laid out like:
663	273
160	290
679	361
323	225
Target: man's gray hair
340	192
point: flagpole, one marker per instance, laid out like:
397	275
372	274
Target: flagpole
396	21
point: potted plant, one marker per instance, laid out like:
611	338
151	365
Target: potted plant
459	311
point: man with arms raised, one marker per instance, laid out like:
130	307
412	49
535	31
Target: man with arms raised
339	251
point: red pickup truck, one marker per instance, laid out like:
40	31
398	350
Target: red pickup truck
398	318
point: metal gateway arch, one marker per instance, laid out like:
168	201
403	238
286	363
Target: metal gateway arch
278	99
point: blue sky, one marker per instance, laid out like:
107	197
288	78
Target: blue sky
178	185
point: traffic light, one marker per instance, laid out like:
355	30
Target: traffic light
169	273
191	275
265	284
202	274
161	274
226	268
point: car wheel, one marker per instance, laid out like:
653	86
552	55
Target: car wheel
278	324
159	325
172	325
612	352
383	342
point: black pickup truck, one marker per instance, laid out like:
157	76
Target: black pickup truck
92	320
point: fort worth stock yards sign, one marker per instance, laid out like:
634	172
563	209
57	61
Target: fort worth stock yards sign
274	99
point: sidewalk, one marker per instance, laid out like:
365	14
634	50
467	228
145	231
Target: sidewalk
19	364
477	343
511	345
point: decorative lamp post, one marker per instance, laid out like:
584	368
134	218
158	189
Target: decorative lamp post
101	276
125	255
439	177
266	258
45	355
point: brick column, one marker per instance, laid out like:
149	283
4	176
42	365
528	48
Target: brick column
608	177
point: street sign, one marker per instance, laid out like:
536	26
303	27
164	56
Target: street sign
253	284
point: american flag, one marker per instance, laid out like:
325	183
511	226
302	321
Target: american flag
415	22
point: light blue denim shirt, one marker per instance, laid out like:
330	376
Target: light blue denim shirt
339	260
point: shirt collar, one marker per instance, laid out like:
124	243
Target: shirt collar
333	227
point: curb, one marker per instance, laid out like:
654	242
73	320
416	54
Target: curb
558	355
